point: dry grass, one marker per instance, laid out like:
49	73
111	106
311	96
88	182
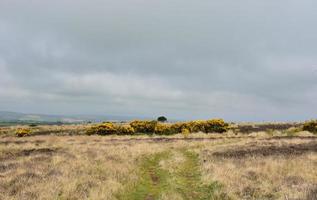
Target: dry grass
71	167
96	167
275	169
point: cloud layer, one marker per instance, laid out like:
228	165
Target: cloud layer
245	60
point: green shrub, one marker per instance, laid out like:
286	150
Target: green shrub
310	126
22	132
143	126
162	119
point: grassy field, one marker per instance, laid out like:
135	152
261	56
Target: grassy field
262	165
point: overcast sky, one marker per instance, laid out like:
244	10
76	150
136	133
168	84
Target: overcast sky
240	60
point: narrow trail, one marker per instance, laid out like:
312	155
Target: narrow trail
152	179
189	183
180	179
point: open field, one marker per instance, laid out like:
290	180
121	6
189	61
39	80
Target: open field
202	166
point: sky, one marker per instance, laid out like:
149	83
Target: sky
186	59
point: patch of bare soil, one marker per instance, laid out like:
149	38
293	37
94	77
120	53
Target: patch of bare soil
282	150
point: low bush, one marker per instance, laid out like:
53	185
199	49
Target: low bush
293	131
106	128
205	126
216	126
125	130
22	132
143	126
164	129
310	126
151	127
195	126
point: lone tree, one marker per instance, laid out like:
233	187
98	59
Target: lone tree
162	119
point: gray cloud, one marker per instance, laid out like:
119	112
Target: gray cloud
241	60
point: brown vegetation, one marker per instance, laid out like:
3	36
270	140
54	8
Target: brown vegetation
94	167
277	164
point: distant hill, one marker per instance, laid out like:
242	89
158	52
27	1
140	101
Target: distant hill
14	116
6	116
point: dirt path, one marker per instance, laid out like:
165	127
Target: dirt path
152	179
181	180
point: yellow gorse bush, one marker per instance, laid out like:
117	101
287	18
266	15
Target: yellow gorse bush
164	129
195	126
109	128
150	127
177	127
143	126
125	130
216	125
106	128
205	126
23	132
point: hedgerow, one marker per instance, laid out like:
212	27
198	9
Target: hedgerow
144	126
195	126
154	127
125	130
164	129
216	126
106	128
